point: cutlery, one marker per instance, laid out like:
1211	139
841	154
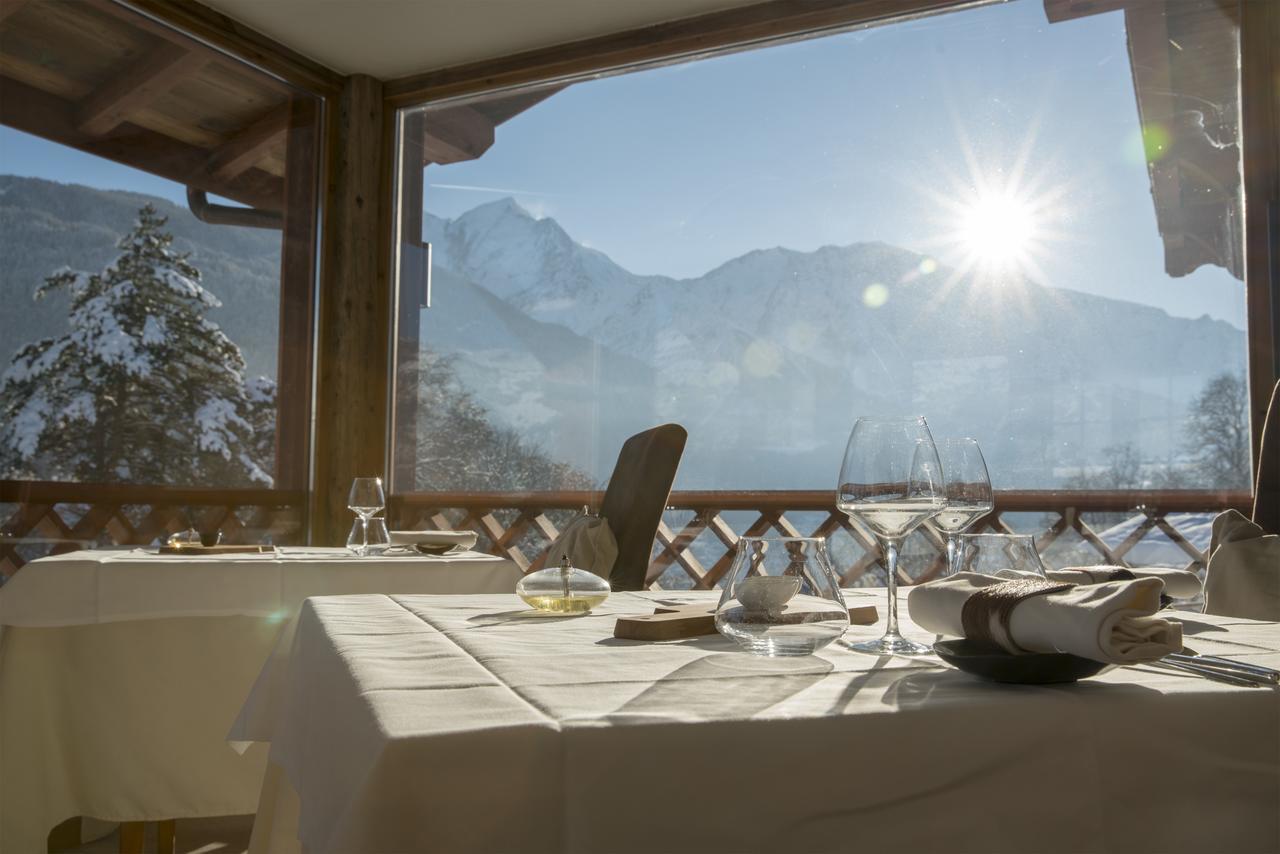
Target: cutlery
1215	675
1262	674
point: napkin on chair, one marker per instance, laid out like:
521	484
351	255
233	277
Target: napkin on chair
1109	622
464	539
1243	576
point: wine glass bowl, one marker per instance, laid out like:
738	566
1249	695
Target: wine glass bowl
989	554
365	499
890	481
781	597
967	492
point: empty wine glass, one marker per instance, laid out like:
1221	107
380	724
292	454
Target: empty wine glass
891	481
990	554
365	500
968	495
781	597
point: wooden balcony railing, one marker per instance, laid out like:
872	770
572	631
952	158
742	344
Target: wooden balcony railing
41	517
695	541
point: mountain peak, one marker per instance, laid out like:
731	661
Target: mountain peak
497	209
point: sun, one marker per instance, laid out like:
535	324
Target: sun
996	228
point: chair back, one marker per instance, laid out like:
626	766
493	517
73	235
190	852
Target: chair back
1266	493
636	496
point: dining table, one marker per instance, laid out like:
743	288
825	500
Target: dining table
121	671
472	723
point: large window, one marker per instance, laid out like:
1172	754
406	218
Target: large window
1027	229
157	206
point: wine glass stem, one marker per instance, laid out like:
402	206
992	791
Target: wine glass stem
891	562
953	544
364	535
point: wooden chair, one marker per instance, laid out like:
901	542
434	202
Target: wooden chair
636	496
1266	494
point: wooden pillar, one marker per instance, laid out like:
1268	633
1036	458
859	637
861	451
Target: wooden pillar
297	280
354	316
1260	132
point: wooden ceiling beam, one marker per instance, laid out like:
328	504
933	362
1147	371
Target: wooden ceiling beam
32	111
247	146
9	7
1058	11
166	18
455	134
135	87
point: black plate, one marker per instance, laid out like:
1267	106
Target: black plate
992	662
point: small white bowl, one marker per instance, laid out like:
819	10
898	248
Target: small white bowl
767	593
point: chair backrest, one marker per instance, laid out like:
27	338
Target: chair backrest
1266	494
636	496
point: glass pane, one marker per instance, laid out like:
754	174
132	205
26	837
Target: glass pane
155	274
1021	220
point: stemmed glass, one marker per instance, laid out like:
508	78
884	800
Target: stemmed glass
891	481
366	499
968	493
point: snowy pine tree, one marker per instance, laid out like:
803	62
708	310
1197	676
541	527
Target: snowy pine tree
143	388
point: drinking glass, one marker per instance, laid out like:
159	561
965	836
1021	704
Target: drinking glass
967	488
781	597
891	481
365	500
990	553
374	538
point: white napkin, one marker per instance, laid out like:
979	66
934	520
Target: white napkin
589	544
465	539
1243	576
1109	622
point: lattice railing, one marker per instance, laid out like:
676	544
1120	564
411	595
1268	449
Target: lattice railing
41	518
700	530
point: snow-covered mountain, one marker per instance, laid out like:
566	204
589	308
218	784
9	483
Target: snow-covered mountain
769	357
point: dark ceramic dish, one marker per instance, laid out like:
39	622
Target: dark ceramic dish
992	662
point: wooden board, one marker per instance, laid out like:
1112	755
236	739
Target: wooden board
216	550
688	621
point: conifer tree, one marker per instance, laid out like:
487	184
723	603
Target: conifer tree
143	388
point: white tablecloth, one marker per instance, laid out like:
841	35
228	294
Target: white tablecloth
421	723
121	671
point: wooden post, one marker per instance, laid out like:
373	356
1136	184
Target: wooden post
354	319
1260	133
297	284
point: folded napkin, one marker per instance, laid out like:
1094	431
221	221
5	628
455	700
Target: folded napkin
465	539
1178	583
1243	576
1109	622
588	542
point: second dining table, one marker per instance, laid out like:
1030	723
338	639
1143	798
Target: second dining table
473	724
122	669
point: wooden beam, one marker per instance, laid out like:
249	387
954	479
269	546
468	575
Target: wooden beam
247	146
455	134
9	7
35	112
138	85
715	31
411	275
1058	11
354	312
1260	145
168	17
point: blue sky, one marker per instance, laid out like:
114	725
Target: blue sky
832	141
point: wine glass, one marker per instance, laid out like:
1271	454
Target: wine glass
365	500
991	554
967	488
891	481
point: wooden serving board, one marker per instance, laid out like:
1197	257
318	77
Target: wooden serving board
690	621
216	550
